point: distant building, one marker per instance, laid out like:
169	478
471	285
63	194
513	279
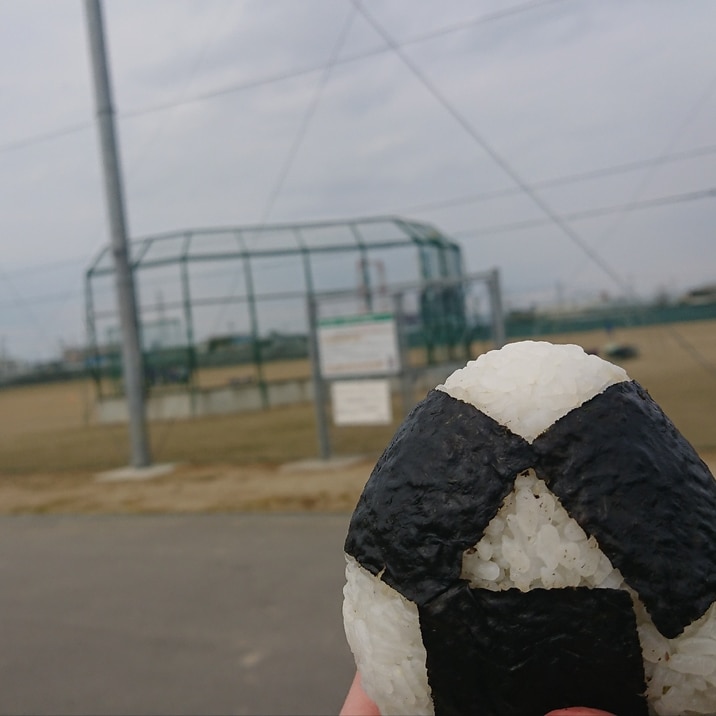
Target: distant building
74	357
229	341
701	296
10	369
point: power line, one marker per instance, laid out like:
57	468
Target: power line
64	297
643	205
485	196
22	302
491	152
275	78
565	179
298	139
19	302
306	119
292	74
40	268
25	302
691	350
45	137
592	213
44	298
198	60
693	112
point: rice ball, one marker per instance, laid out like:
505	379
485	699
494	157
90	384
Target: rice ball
537	535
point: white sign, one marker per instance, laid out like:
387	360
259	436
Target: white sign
361	402
358	345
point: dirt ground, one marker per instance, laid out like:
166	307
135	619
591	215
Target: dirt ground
295	487
51	450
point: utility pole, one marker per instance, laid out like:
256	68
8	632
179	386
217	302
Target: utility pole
132	368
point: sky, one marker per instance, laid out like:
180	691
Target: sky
569	143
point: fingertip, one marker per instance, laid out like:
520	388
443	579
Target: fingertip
357	702
579	711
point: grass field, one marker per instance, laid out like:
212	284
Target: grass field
50	428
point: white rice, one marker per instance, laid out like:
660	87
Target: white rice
383	632
531	542
527	386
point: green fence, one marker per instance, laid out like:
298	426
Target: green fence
607	319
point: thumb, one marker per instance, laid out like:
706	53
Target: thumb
579	711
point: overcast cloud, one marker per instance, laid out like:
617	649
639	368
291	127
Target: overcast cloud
556	89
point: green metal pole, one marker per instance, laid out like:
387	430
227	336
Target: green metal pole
255	339
319	394
188	320
96	370
364	268
498	316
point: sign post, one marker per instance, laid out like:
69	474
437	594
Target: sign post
364	355
361	402
358	345
358	354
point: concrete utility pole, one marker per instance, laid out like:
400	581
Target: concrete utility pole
132	368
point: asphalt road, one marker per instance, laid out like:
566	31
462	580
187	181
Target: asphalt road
208	614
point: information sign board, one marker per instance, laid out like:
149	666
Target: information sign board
361	402
358	345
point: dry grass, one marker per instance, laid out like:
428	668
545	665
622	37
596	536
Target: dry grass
274	436
41	408
677	365
48	428
210	488
50	450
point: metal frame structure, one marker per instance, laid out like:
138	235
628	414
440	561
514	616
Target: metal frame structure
405	374
374	253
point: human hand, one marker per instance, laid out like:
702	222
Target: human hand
578	711
358	703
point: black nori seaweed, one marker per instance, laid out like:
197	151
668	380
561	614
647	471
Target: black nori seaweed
515	653
627	476
432	493
617	464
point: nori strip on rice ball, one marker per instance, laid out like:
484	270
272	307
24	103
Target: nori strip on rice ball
640	488
518	653
535	466
415	528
